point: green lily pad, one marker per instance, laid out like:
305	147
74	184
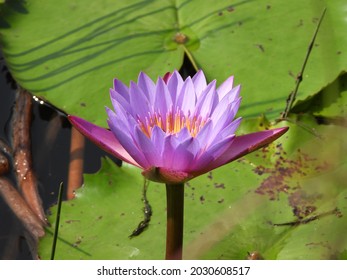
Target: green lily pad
69	53
268	202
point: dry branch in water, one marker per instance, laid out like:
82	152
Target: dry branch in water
20	208
21	144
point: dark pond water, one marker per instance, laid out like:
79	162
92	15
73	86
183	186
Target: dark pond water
50	136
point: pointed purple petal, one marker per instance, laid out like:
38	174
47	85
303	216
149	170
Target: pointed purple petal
243	145
125	137
147	86
163	101
138	101
231	128
183	135
121	89
122	117
228	130
119	102
166	77
223	119
225	87
158	138
182	157
199	81
103	138
206	101
174	85
187	98
205	134
168	151
211	153
147	148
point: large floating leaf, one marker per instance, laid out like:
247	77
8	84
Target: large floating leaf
69	52
228	212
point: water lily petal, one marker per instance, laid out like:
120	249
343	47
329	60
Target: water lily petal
183	135
206	101
205	134
147	86
174	85
223	119
121	89
225	87
163	101
182	157
158	138
138	101
126	139
233	94
118	100
220	108
103	138
122	117
226	131
170	144
199	81
211	153
231	128
147	148
243	145
186	99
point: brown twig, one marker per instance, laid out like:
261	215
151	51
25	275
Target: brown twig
75	178
335	211
20	208
21	144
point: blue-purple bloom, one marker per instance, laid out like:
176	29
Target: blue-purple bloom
175	129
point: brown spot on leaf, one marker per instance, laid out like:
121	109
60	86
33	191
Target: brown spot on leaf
230	9
284	170
71	221
78	241
219	186
303	203
180	38
260	47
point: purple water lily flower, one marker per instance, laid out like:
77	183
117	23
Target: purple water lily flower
175	129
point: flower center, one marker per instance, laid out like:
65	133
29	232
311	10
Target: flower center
172	123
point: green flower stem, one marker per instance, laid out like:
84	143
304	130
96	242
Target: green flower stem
174	227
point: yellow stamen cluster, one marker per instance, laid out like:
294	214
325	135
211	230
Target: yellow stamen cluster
172	123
